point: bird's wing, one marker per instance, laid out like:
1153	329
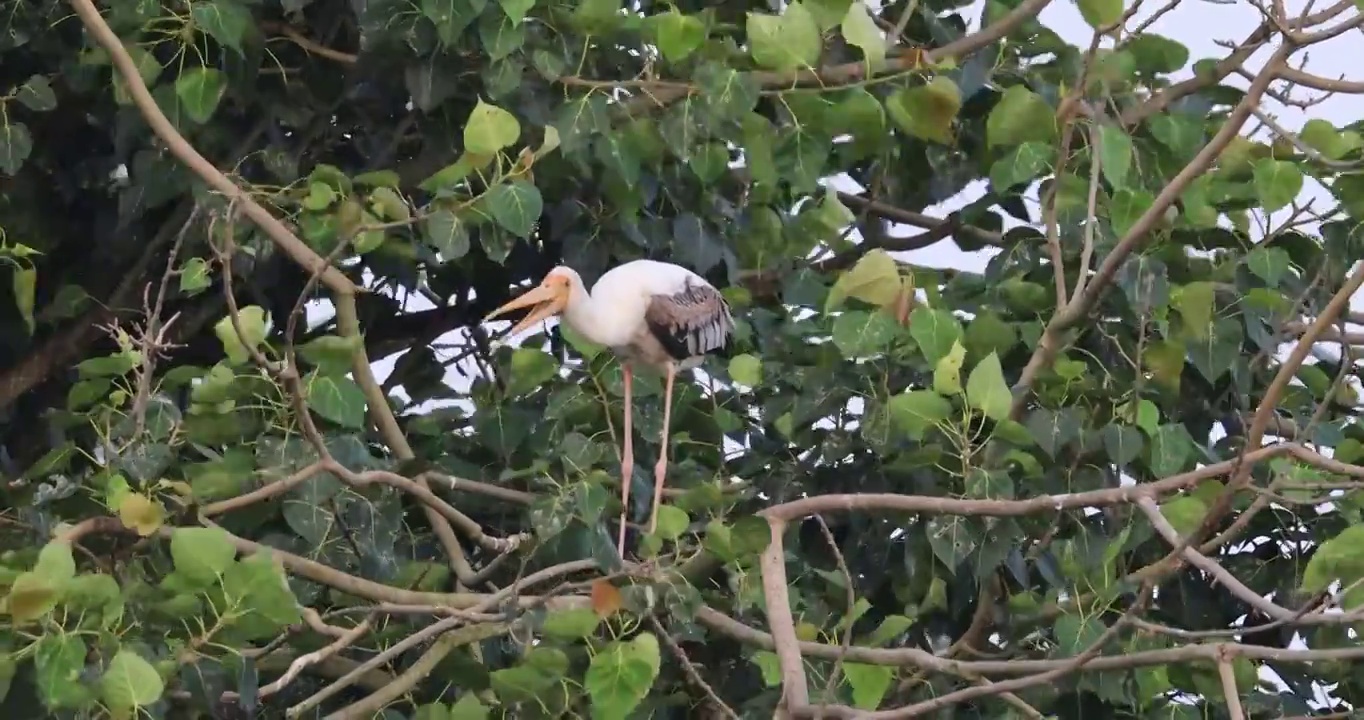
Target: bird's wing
692	321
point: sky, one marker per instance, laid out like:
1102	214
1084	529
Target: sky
1195	23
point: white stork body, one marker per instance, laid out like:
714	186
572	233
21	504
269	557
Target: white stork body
648	312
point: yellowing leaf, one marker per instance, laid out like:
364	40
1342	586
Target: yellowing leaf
947	374
875	279
30	597
489	129
254	327
606	599
926	111
860	30
140	513
746	369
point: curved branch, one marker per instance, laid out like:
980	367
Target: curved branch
280	234
795	692
914	657
1136	236
815	504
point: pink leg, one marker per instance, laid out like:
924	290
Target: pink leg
661	469
627	460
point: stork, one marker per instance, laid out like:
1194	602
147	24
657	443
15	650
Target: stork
656	314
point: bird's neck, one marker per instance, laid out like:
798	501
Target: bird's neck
594	318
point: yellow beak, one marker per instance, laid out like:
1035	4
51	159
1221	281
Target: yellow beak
545	301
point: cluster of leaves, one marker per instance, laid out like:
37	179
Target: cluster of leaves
234	524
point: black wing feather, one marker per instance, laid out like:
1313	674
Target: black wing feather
694	321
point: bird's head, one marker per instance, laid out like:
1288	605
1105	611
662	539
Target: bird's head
546	300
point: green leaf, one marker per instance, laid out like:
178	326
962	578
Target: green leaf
947	371
1019	116
786	42
148	68
36	94
530	369
522	683
1185	513
597	17
451	17
987	391
861	31
1195	305
989	333
55	562
1182	134
201	553
194	276
571	624
330	354
917	411
951	541
1115	154
860	334
889	629
200	90
252	321
57	665
746	370
672	522
1123	443
516	9
130	682
1100	13
1277	183
677	35
1127	207
1075	634
1214	353
768	665
1023	164
621	675
516	206
489	129
259	597
446	234
926	111
935	332
1323	137
1269	263
337	399
1340	558
869	683
15	146
875	280
224	20
500	36
450	176
468	708
1157	54
24	285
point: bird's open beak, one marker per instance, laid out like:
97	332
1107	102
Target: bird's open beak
545	301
